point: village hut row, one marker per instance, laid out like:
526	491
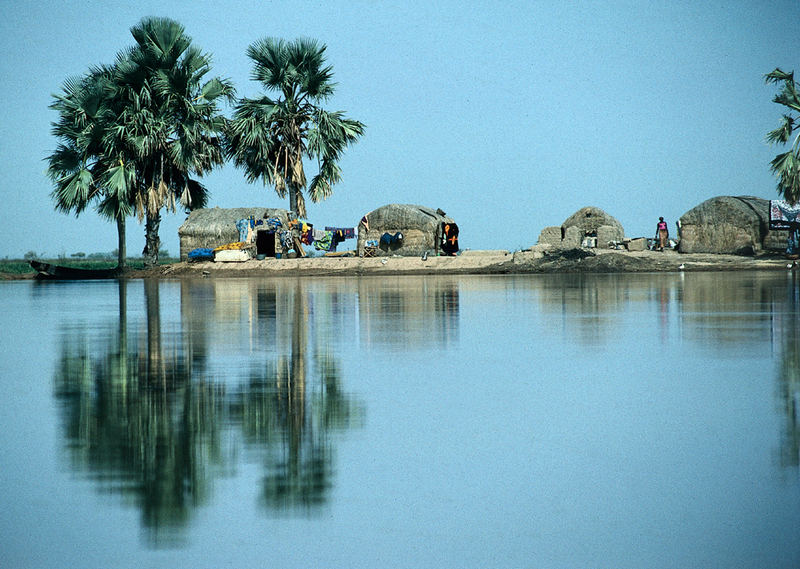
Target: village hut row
742	225
723	224
393	229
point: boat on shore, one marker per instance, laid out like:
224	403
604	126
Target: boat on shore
59	272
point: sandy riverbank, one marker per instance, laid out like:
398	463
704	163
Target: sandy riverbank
535	260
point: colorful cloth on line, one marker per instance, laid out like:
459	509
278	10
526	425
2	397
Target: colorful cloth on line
287	239
346	232
324	242
783	215
243	226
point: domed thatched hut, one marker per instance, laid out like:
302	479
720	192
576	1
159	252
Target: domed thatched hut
403	229
590	222
729	225
213	227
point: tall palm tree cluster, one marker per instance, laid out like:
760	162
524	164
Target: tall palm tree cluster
135	136
786	166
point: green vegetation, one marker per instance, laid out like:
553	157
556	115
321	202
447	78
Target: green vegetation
134	135
91	261
786	166
270	138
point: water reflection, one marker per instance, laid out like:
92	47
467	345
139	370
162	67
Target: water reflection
149	416
407	313
724	313
788	329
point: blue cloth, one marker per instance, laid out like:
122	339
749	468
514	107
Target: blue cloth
201	254
241	226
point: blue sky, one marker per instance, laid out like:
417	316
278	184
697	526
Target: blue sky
510	116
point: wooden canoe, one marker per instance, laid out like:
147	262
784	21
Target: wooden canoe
50	271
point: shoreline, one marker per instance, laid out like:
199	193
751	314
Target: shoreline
537	260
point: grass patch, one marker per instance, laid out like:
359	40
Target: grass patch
22	267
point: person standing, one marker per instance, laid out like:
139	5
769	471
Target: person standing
662	233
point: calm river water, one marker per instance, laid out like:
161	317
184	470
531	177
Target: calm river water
471	422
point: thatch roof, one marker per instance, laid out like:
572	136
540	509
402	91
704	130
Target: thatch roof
218	221
589	219
725	224
407	216
420	226
213	227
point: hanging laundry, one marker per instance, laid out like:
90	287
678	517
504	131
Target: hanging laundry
242	226
389	241
783	215
346	232
449	238
287	239
324	243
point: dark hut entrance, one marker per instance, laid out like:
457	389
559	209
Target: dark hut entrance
265	243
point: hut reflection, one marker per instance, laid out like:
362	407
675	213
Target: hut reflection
156	416
408	312
725	311
588	303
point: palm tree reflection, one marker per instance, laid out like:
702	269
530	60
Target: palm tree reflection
146	417
789	374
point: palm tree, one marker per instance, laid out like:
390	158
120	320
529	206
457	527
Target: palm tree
86	167
786	166
269	138
134	135
172	122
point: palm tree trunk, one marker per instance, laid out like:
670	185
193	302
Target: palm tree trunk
151	241
122	253
297	203
292	201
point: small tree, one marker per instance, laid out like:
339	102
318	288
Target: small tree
786	166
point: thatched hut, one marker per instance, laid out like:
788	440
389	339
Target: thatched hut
404	229
589	225
729	225
214	227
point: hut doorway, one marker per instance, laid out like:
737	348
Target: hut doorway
265	243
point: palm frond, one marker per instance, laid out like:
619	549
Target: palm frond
783	132
777	75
